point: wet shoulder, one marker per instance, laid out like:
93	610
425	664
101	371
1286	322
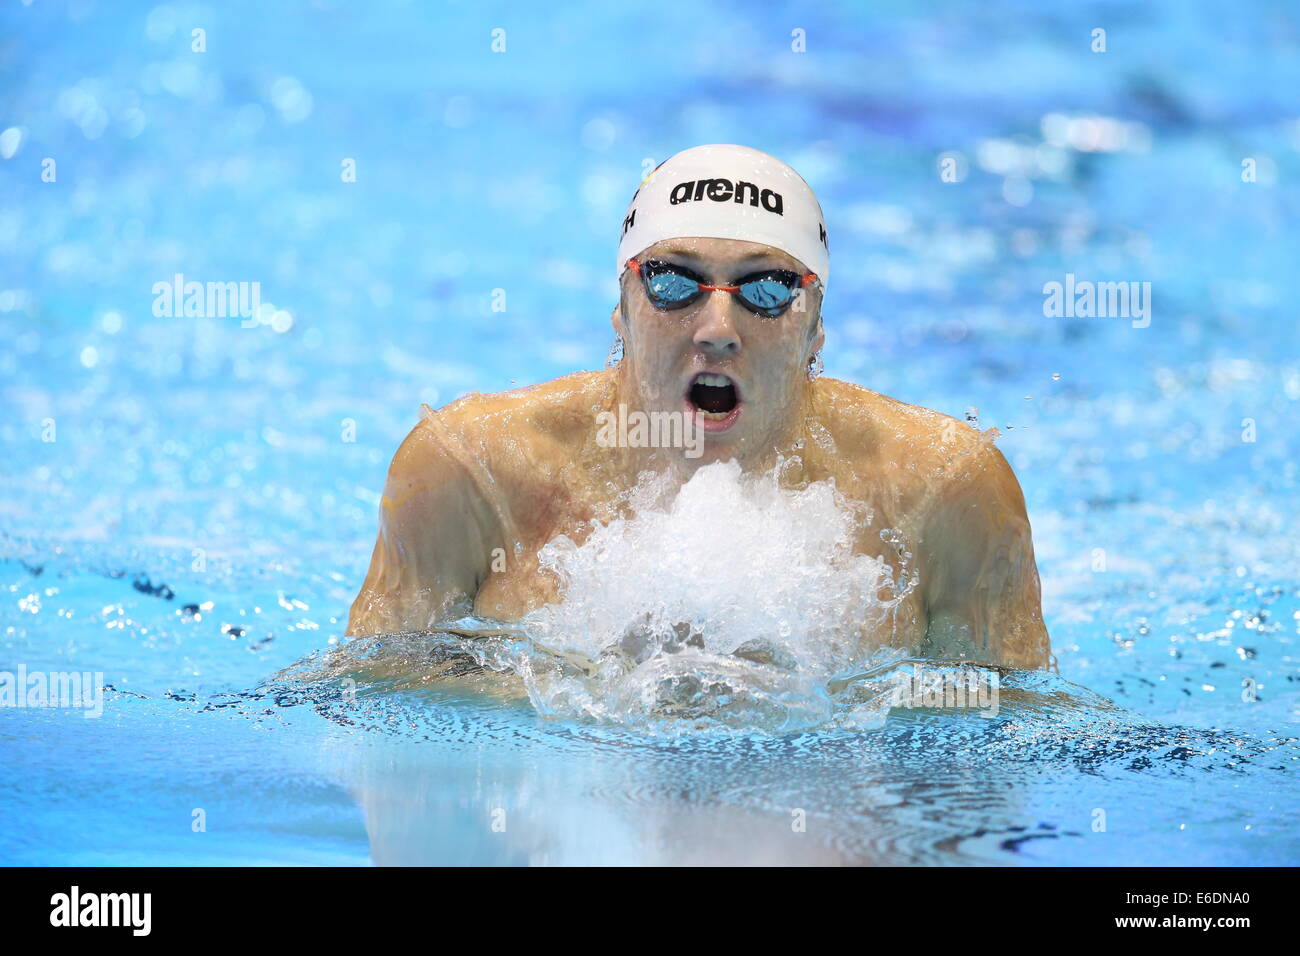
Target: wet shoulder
523	444
558	412
879	434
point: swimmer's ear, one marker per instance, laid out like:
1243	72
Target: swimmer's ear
616	320
818	338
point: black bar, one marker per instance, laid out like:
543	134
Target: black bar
305	905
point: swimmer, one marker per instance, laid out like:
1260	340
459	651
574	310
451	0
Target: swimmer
722	261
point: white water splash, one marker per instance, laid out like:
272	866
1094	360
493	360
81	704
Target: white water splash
732	598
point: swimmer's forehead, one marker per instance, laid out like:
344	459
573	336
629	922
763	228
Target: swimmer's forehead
726	252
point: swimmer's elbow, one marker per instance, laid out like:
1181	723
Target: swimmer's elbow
362	618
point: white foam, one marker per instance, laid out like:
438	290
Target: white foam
662	601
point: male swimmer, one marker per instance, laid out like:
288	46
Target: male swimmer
723	262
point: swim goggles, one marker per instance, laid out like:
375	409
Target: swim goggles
671	286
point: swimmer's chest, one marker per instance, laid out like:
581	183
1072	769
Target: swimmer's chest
515	583
514	586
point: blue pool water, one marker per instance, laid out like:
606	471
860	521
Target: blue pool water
180	509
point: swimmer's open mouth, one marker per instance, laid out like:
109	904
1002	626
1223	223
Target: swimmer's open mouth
716	398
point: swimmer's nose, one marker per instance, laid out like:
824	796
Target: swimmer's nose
715	332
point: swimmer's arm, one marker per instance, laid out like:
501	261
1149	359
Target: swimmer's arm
433	545
982	590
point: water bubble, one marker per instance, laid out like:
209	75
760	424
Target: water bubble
291	99
10	140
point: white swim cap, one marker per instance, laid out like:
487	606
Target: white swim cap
727	192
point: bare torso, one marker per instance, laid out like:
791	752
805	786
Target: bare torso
479	488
